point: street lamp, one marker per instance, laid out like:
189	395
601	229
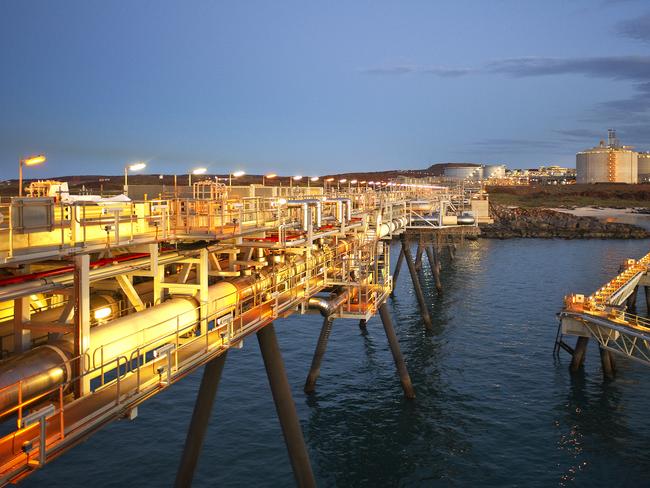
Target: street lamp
352	182
29	161
338	183
270	176
131	167
236	174
313	178
197	171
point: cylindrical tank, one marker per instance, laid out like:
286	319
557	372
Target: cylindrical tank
644	167
494	171
604	164
464	172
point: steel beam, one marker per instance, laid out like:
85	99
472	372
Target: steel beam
200	420
404	377
424	310
285	407
321	347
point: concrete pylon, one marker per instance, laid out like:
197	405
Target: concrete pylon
579	352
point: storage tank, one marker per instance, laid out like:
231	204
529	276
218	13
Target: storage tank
644	167
464	172
494	171
611	163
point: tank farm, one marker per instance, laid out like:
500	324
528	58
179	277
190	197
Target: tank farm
106	302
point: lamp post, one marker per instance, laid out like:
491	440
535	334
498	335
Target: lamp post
338	183
236	174
270	176
325	182
352	182
312	179
29	161
131	167
197	171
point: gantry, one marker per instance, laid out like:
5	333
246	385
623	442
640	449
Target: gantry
609	316
105	302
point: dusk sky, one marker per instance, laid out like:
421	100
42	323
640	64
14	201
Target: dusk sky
318	87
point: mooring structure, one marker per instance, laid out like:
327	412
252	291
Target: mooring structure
106	302
609	317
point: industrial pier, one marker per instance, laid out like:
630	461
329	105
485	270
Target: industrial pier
609	317
105	302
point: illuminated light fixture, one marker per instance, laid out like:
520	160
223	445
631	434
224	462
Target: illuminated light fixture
29	161
352	182
196	171
343	180
329	180
282	201
102	313
269	176
131	167
236	174
314	178
297	178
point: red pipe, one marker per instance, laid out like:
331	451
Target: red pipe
13	280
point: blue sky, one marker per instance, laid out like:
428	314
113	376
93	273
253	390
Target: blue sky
317	87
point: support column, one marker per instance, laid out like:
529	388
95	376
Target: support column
647	299
362	324
200	420
285	407
607	362
81	321
403	373
579	353
416	284
204	295
398	267
22	337
433	263
631	300
418	256
321	347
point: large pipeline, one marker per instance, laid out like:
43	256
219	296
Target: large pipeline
43	368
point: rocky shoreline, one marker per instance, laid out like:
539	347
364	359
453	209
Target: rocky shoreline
510	222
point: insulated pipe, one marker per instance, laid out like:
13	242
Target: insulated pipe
147	329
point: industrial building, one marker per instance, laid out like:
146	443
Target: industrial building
608	163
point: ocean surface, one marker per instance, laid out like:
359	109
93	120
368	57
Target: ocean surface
493	407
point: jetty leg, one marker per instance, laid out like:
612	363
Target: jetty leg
285	407
321	347
363	324
200	421
398	266
579	353
647	299
452	248
404	376
631	300
418	257
433	262
416	284
607	362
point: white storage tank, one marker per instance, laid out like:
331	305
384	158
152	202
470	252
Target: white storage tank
644	167
494	171
611	163
464	172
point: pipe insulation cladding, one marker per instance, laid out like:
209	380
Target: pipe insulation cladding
46	367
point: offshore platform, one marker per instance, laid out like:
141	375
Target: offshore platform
609	316
105	302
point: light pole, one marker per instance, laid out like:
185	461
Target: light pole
270	176
197	171
352	182
236	174
312	179
325	182
29	161
131	167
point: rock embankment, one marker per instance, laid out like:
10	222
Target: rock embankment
543	223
